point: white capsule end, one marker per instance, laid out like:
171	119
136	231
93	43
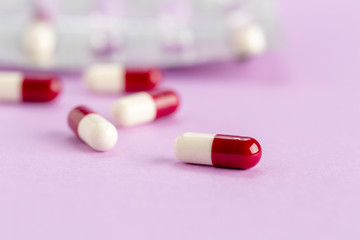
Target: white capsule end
104	137
194	148
40	41
250	40
97	132
11	86
105	78
134	109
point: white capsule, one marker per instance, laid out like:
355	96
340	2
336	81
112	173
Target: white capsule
249	40
194	148
114	78
11	86
144	107
40	41
108	78
92	128
218	150
134	109
17	86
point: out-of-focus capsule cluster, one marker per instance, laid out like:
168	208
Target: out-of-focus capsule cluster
144	103
68	35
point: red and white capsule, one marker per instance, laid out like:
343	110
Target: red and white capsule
218	150
92	128
15	86
144	107
113	78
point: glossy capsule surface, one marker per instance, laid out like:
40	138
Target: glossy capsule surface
218	150
92	128
114	78
16	86
144	107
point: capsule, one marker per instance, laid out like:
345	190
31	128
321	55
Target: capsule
15	86
144	107
113	78
249	40
218	150
40	40
92	128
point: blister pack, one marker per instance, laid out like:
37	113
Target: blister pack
69	35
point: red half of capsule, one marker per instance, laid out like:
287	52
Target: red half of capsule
235	152
141	80
76	115
166	102
40	88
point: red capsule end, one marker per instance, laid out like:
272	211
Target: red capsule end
76	115
40	88
235	152
166	102
141	80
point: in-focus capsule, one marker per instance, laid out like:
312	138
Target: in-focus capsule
144	107
113	78
15	86
92	128
218	150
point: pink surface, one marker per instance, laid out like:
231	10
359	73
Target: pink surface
301	103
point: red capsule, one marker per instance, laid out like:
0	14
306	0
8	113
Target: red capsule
218	150
15	86
166	102
235	152
144	107
76	115
40	89
92	128
140	80
113	78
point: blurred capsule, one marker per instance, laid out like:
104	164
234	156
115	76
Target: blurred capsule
144	107
15	86
114	78
40	40
249	40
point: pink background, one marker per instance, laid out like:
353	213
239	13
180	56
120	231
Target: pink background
300	102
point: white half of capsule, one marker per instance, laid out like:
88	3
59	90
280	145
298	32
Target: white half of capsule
194	148
105	78
97	132
134	109
40	41
11	86
249	40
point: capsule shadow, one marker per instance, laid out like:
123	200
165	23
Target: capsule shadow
78	145
64	140
162	161
244	173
